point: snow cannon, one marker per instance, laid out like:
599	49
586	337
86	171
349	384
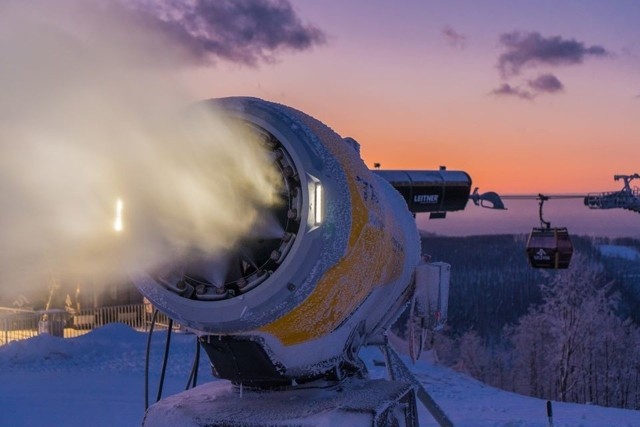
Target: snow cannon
296	303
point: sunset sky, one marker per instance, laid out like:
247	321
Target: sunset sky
527	96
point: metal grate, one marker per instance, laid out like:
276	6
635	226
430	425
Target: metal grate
16	324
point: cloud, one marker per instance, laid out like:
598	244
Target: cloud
241	31
507	90
454	38
525	49
546	83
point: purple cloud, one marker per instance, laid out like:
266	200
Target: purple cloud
546	83
454	38
242	31
529	49
507	90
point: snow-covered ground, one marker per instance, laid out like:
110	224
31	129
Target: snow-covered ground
98	380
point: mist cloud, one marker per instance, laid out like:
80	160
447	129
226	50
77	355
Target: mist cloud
527	49
242	31
84	122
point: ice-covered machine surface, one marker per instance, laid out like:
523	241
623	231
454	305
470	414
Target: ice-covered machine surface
297	304
352	403
326	269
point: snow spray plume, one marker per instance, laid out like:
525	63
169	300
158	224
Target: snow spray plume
96	176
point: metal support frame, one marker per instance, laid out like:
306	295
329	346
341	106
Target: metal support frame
398	371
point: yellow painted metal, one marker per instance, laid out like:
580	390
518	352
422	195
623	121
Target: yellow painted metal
374	257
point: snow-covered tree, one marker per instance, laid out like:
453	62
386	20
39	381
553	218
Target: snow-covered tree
573	347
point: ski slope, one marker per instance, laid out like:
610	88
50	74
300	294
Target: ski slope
98	380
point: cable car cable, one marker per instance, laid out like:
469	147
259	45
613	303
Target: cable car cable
537	196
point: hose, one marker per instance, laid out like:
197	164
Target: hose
146	360
165	358
193	376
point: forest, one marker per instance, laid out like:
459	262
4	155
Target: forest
569	335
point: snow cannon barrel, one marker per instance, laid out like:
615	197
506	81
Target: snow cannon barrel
436	191
298	305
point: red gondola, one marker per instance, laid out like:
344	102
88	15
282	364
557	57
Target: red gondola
549	247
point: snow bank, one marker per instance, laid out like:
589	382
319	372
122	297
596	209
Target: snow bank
98	380
93	380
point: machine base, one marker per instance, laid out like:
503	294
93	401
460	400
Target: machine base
352	403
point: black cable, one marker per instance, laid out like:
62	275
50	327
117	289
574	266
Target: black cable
193	375
537	196
190	380
165	358
193	367
146	360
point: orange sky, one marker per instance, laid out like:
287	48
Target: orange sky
388	77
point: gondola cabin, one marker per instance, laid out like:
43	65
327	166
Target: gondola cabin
549	248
